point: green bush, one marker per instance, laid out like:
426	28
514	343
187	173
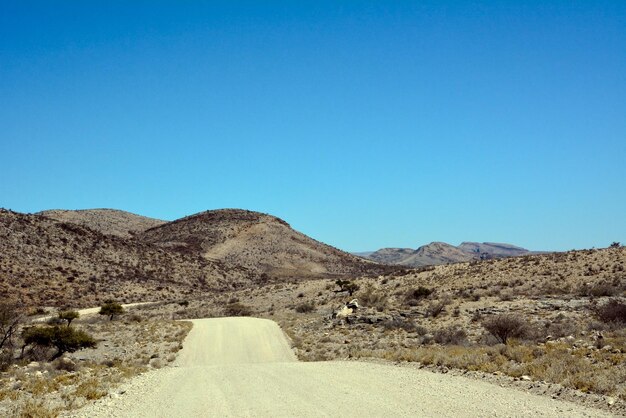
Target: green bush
68	316
64	339
111	309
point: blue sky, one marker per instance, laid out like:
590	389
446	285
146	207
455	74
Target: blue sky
362	124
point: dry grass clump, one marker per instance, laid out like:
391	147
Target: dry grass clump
35	409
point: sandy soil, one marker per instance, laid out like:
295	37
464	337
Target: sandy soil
244	367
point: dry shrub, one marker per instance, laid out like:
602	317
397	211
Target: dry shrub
305	307
238	309
452	335
612	312
370	296
436	308
418	293
506	326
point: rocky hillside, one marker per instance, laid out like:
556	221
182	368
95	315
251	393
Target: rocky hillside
45	261
259	242
437	253
107	221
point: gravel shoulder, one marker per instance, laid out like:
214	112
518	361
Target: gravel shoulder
244	367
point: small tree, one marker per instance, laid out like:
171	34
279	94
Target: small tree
111	309
68	316
615	244
64	339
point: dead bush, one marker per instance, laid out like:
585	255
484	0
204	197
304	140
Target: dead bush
506	326
10	320
452	335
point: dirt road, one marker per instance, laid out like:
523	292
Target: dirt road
243	367
90	311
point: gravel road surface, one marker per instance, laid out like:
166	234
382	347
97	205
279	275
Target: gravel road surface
244	367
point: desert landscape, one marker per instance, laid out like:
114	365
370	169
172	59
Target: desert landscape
312	209
548	324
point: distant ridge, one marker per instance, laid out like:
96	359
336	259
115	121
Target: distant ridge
437	253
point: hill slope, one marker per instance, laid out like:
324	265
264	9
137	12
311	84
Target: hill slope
44	261
107	221
259	242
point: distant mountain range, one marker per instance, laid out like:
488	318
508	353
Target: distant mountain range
441	253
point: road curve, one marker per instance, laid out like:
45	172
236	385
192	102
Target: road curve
243	367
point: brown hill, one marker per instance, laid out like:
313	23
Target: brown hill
45	261
259	242
437	253
108	221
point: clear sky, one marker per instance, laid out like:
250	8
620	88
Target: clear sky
362	124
